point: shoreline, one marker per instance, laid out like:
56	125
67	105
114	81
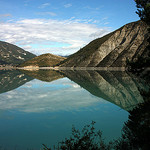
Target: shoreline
34	68
8	68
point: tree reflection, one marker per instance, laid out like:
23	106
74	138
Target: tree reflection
135	133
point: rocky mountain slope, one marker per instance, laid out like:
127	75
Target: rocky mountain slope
114	49
45	60
11	54
116	87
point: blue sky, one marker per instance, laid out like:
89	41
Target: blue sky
61	27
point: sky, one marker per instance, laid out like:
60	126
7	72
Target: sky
61	27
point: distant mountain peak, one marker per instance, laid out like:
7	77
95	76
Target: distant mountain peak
44	60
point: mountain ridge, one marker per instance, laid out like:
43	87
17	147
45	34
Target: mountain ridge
13	55
114	49
44	60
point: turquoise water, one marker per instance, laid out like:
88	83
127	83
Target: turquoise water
40	112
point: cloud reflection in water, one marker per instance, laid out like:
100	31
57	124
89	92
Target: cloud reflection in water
37	96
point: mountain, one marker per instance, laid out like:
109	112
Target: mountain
45	60
12	79
117	87
13	55
114	49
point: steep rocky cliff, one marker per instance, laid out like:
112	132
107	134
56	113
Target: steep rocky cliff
14	55
114	49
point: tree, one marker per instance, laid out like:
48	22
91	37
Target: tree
139	66
143	10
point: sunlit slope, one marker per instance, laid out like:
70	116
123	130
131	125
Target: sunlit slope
114	49
45	60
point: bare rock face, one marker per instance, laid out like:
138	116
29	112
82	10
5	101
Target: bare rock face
114	49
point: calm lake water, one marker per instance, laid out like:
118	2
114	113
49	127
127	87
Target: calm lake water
41	107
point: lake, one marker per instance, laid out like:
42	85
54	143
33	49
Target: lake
40	107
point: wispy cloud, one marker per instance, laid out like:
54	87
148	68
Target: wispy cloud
93	8
106	23
67	5
47	13
44	5
74	33
40	99
5	15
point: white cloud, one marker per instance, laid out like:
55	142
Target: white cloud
98	33
67	5
44	5
47	13
26	47
72	34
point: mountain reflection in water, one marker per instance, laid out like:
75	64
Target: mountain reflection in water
136	131
44	75
38	101
118	87
12	79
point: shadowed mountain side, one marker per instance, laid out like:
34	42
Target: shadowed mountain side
117	87
44	75
10	80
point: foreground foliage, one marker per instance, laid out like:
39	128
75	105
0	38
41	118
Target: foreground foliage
135	133
87	139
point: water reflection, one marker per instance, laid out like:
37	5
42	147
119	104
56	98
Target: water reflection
136	131
119	88
44	75
12	79
37	96
36	109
